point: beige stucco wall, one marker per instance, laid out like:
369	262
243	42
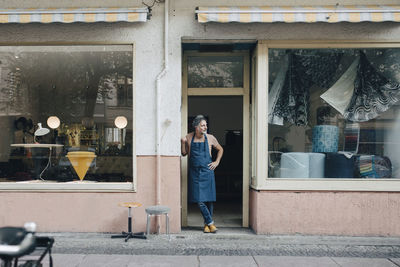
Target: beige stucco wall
271	212
97	212
325	213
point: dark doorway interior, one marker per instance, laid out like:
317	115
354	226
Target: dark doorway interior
225	122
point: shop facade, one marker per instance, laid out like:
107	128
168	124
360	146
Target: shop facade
303	100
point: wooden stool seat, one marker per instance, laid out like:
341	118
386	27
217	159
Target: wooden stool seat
130	234
130	204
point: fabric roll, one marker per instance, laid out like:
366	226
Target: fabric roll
295	165
325	138
302	165
339	166
317	165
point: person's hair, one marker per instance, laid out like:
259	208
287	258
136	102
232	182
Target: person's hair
197	120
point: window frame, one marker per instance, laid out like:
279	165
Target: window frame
260	179
33	186
199	91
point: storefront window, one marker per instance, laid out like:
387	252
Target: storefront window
334	113
215	71
66	113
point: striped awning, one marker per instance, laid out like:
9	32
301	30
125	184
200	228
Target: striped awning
290	14
70	15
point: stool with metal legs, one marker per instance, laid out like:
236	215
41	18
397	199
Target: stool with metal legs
157	210
130	234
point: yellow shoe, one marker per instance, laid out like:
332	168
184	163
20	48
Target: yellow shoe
213	228
206	229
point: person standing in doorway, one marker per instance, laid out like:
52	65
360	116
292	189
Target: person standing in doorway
201	184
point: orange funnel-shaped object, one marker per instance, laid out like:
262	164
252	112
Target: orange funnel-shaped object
81	161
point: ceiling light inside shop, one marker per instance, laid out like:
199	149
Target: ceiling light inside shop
121	122
53	122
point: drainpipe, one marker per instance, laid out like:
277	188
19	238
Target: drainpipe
158	103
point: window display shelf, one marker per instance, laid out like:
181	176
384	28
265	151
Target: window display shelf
315	184
379	143
37	145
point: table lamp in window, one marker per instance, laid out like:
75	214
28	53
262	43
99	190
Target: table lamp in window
40	131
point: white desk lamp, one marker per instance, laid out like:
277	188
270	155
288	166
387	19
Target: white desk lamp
40	131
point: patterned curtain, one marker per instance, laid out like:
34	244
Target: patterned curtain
386	62
292	104
305	70
376	84
373	92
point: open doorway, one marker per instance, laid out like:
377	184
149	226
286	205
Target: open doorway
225	122
217	85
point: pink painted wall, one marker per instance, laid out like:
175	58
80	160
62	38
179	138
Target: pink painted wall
325	213
97	212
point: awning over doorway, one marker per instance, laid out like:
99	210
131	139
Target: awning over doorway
290	14
70	15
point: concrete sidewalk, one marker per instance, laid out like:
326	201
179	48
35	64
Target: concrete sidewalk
229	247
93	260
227	242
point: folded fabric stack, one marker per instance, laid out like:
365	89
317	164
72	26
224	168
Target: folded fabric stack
367	166
351	137
373	166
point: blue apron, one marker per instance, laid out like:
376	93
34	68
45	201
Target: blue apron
201	184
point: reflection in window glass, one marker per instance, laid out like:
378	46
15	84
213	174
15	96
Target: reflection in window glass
334	113
210	72
83	89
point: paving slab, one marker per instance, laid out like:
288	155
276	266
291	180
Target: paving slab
364	262
287	261
223	261
94	260
64	260
396	260
59	260
164	261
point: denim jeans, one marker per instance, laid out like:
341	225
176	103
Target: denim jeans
206	209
